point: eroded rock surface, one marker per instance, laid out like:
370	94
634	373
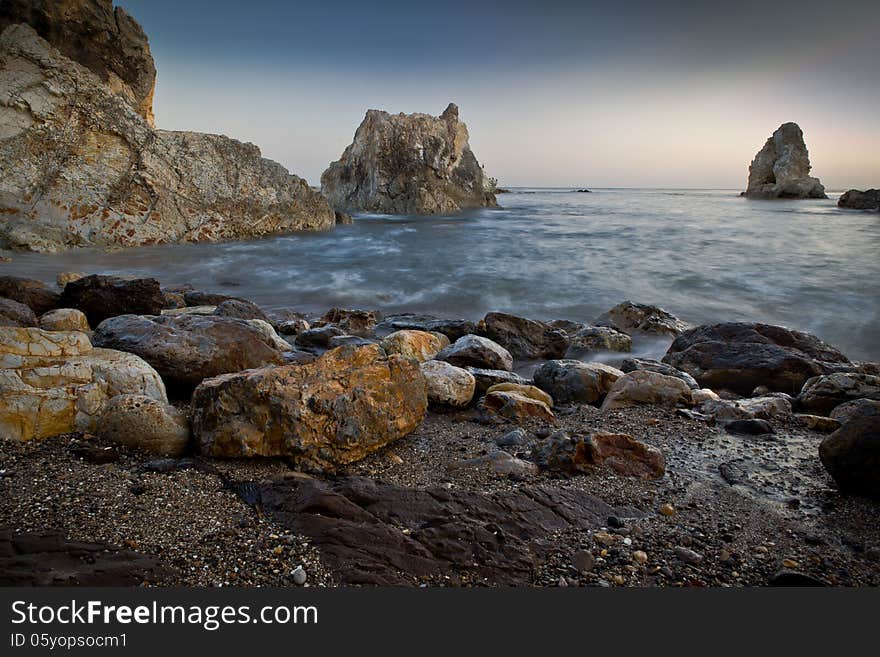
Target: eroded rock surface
781	169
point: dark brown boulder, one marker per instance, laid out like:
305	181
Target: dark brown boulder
823	394
524	338
101	297
13	313
34	294
855	199
852	456
739	357
241	309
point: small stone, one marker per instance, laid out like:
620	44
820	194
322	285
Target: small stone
667	510
299	576
790	563
604	538
688	556
562	582
614	522
583	561
619	580
640	557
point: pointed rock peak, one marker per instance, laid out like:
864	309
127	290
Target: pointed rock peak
781	169
450	113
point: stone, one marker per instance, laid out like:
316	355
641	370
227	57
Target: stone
644	387
54	383
750	426
34	294
852	456
583	561
453	329
293	327
354	340
185	349
703	395
667	510
190	310
477	351
101	297
353	322
66	277
822	394
48	558
240	309
687	555
145	423
739	356
347	404
99	36
318	338
781	169
497	538
419	345
633	364
515	438
515	406
299	576
564	454
408	164
523	338
266	329
95	172
597	338
576	382
13	313
499	463
818	423
765	408
630	317
65	319
447	384
855	199
485	379
200	298
530	391
855	408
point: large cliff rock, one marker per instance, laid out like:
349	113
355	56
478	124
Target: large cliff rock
408	163
781	169
79	166
104	39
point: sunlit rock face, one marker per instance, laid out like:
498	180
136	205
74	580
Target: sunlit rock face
781	169
408	164
81	164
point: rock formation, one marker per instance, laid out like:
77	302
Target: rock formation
408	163
781	169
855	199
80	165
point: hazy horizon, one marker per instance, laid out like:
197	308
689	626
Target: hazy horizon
556	95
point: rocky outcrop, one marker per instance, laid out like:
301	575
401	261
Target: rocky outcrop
185	349
81	167
97	35
739	357
334	411
781	169
408	164
855	199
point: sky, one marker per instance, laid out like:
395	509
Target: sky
623	94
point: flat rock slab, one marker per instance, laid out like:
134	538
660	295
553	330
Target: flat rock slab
374	533
48	559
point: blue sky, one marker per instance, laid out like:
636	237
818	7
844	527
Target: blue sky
554	93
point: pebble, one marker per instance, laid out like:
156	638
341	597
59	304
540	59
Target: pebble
604	538
640	557
583	561
688	556
299	576
667	510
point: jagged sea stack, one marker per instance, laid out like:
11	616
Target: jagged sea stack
81	163
781	169
408	164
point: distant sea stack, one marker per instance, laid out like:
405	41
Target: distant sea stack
408	164
781	169
82	165
856	199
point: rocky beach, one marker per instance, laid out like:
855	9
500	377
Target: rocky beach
213	374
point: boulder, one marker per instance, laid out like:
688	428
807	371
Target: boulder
576	382
266	329
100	297
852	456
858	200
499	463
97	35
419	345
343	340
185	349
526	390
630	317
352	322
65	319
477	351
66	277
855	408
34	294
293	326
144	423
408	164
781	169
523	338
634	364
822	394
739	356
200	298
818	422
13	313
563	454
94	172
240	309
53	383
350	402
725	410
485	379
453	329
317	338
447	384
597	338
515	405
644	387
